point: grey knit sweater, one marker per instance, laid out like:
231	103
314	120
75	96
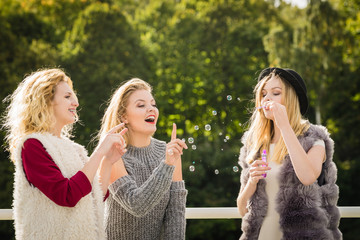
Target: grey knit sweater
146	204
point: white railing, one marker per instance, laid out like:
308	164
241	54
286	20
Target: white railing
213	213
232	212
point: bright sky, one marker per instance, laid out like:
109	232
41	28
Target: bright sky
298	3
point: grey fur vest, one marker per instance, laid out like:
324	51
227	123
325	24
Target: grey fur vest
306	212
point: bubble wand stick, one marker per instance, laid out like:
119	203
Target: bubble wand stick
263	158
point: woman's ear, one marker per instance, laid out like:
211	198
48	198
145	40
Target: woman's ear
124	119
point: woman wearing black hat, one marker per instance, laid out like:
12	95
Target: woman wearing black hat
293	195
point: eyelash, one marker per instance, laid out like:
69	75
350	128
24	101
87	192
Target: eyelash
154	105
276	94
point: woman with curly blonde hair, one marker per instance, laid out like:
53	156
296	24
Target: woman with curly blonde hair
57	191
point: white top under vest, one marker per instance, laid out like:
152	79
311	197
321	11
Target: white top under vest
37	217
270	229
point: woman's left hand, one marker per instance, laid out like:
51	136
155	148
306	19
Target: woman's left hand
174	149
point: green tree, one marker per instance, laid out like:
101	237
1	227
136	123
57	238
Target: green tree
203	47
200	57
101	51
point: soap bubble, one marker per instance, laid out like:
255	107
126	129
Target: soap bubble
192	168
229	97
193	147
214	112
216	171
227	137
183	140
220	133
225	140
238	99
235	169
190	140
207	127
196	127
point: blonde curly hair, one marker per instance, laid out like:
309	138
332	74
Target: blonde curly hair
30	108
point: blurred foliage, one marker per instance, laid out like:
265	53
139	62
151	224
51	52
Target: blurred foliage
202	59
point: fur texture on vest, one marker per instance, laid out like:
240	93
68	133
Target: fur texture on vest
306	212
37	217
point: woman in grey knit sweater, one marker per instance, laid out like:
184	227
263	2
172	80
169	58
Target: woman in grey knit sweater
147	193
294	194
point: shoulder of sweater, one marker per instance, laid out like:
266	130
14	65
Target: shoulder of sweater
39	137
317	132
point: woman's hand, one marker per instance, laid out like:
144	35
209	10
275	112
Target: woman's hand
256	172
112	146
257	169
174	149
277	112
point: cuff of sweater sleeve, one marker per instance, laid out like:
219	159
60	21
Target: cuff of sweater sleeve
178	192
179	185
165	169
83	182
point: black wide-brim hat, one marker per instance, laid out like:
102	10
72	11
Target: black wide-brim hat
295	80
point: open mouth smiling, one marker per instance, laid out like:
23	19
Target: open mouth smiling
150	119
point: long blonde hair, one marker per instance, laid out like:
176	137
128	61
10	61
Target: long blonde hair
118	103
261	129
30	109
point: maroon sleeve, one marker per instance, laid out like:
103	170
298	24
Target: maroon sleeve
42	172
106	195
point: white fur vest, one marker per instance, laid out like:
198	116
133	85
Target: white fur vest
306	212
37	217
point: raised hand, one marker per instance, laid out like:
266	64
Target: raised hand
278	113
112	146
174	149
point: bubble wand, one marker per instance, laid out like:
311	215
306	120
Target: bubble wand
263	158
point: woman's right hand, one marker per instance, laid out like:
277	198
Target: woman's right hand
247	190
112	146
257	169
